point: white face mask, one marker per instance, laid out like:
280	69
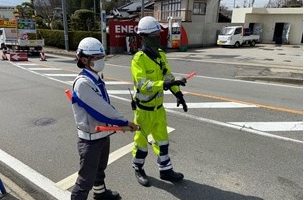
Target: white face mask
98	65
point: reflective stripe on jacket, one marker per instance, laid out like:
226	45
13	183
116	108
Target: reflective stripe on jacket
91	104
149	77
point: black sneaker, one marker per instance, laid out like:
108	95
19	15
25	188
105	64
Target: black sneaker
170	175
107	195
142	177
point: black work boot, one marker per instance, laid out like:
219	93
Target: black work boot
142	177
107	195
170	175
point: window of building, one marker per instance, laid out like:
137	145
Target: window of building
170	8
199	8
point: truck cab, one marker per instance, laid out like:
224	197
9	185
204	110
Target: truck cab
237	36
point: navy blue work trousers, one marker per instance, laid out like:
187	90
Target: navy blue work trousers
94	155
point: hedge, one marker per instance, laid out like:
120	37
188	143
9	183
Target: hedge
55	38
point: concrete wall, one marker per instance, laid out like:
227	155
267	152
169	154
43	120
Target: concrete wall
202	31
269	17
6	12
269	21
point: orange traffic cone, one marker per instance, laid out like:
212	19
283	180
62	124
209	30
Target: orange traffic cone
42	56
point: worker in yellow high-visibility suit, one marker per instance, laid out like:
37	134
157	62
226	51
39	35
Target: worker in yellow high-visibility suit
152	75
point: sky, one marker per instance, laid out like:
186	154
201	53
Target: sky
228	3
257	3
11	2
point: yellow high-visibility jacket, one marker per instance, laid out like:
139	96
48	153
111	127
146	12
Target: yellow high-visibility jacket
148	76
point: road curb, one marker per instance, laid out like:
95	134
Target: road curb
28	188
272	79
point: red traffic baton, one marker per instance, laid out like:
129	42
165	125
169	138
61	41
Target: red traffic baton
112	128
190	75
68	94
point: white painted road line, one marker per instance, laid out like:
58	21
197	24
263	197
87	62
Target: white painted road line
25	64
34	177
127	92
118	83
182	114
211	105
44	69
271	126
227	79
243	129
69	181
112	83
64	75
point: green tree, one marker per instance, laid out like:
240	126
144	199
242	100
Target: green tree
25	10
83	20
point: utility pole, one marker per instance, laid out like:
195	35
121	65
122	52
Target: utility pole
103	26
142	8
233	3
65	25
94	9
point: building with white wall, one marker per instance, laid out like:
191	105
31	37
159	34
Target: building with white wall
199	18
275	25
6	12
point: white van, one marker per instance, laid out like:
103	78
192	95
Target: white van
237	36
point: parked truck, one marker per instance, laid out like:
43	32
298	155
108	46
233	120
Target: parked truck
237	36
22	37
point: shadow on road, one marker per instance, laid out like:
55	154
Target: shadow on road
189	190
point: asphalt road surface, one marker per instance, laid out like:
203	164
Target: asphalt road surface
240	140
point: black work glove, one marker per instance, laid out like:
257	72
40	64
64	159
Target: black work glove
178	82
180	100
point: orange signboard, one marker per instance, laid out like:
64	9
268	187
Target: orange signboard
7	24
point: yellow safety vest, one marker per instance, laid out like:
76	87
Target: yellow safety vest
148	76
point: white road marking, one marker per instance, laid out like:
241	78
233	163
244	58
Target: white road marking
243	81
112	83
271	126
25	64
226	79
34	177
49	186
69	181
44	69
127	92
212	105
243	129
118	83
64	75
223	124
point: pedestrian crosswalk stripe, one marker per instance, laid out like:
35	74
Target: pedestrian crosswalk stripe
25	64
43	69
212	105
67	75
111	83
69	181
117	83
127	92
271	126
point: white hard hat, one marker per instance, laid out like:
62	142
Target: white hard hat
148	25
90	46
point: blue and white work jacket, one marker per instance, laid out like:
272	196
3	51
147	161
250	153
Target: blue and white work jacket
91	106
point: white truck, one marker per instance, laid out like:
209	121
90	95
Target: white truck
237	36
9	39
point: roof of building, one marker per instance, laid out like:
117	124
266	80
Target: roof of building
270	10
135	6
